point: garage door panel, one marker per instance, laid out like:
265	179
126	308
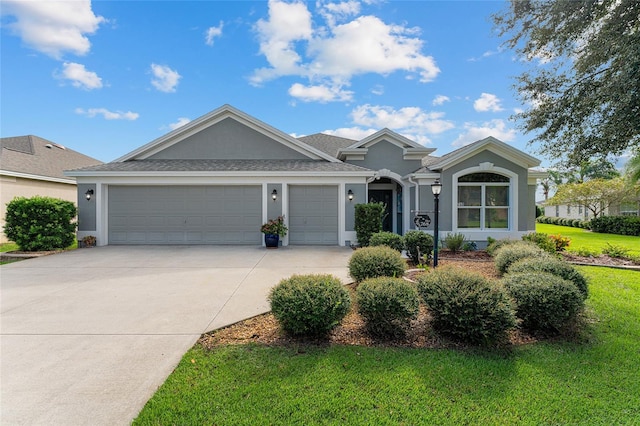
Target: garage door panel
185	215
313	215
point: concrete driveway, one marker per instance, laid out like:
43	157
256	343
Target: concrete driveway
87	336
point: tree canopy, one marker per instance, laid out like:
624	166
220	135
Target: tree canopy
596	195
583	83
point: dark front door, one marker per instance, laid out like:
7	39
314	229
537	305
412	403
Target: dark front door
384	196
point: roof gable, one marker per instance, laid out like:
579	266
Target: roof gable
411	150
190	131
487	144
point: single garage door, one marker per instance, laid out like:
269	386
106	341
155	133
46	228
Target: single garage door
313	215
185	214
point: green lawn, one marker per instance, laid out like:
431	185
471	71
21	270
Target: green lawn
595	382
5	247
591	241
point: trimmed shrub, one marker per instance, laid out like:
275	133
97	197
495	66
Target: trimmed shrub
621	225
372	262
40	223
387	305
511	253
466	306
368	221
418	244
494	245
544	302
309	305
454	241
576	223
541	240
553	266
388	239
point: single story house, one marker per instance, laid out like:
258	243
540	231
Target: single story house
30	166
216	179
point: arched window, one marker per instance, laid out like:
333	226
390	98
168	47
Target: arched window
483	201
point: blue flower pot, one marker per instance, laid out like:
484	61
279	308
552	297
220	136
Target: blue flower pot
271	240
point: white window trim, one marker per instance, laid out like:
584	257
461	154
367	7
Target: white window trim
480	234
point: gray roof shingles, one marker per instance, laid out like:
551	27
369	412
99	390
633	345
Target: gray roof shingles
327	143
224	166
36	156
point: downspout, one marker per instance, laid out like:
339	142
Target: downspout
417	187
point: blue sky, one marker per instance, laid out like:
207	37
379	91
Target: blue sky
106	77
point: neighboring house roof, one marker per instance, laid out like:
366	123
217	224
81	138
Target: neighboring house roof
33	157
216	116
226	166
327	143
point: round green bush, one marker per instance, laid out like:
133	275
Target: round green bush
309	305
418	244
40	223
553	266
387	305
509	254
544	302
388	239
372	262
467	306
495	245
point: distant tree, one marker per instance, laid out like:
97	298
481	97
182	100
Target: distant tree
592	169
583	85
596	195
553	180
632	168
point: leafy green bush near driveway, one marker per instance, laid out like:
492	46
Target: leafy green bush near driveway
372	262
40	223
388	239
418	244
309	305
466	306
387	305
368	221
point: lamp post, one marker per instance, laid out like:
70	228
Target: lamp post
436	187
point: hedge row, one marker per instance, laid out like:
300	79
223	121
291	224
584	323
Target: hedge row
563	221
621	225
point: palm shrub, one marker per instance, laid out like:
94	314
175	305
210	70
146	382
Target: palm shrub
418	244
368	221
544	302
454	241
309	305
387	305
467	306
372	262
511	253
40	223
553	266
388	239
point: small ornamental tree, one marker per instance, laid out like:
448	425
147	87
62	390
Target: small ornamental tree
40	223
368	218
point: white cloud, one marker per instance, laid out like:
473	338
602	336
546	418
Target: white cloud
440	100
487	102
496	128
518	110
331	55
355	133
108	115
319	93
412	120
378	90
80	77
53	27
181	122
164	78
213	32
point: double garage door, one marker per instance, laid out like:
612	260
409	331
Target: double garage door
216	215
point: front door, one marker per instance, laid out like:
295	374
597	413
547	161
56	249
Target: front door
384	196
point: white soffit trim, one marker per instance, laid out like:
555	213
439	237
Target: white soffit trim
319	175
489	144
215	116
37	177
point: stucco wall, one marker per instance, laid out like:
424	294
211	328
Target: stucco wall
385	155
11	187
229	140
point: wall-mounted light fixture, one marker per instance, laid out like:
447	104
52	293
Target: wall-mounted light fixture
350	195
274	195
88	194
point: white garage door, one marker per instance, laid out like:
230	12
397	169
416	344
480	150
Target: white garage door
313	215
185	214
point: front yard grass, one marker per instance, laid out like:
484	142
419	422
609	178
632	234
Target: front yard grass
594	380
582	239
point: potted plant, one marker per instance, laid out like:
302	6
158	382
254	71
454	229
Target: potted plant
273	230
88	241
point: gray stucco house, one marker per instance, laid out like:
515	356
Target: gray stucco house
218	178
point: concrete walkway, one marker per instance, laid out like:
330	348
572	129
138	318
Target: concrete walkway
87	336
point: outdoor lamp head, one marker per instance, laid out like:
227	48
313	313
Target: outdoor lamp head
436	187
274	195
88	194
